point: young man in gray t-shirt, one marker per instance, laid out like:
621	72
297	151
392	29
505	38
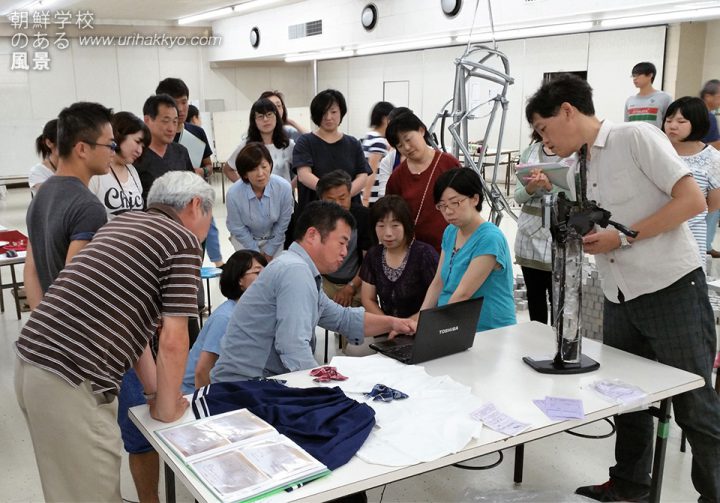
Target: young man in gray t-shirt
649	104
64	215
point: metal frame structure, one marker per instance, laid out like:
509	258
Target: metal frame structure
474	64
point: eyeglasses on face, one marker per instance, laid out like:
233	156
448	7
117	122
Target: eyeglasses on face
266	116
112	145
453	205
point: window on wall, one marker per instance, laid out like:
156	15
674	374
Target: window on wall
548	76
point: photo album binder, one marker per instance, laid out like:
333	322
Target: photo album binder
240	457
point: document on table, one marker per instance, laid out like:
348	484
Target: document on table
619	392
498	421
560	409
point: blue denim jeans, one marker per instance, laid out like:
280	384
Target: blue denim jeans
212	243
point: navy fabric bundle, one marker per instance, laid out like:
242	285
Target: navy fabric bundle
323	421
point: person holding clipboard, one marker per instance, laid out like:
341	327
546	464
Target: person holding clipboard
533	243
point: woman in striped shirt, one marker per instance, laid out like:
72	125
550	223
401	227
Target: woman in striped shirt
685	124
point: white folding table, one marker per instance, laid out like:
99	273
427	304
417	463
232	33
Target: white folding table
494	370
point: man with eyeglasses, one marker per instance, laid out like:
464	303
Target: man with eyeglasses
160	114
64	216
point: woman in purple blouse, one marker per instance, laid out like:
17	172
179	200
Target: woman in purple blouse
397	271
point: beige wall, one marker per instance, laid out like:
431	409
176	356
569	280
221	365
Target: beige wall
122	78
690	61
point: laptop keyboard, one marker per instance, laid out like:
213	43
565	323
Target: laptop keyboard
402	353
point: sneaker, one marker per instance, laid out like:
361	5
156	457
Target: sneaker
609	491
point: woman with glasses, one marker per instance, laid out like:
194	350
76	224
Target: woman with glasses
266	127
475	260
414	178
238	273
120	190
292	128
260	207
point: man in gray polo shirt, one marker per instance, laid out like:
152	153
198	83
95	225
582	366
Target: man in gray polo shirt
272	330
656	297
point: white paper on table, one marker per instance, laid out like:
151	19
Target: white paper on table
559	409
627	395
498	421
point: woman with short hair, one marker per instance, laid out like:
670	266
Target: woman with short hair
327	149
475	260
238	273
398	270
260	207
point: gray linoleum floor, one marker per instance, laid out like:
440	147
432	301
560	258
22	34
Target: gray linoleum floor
554	466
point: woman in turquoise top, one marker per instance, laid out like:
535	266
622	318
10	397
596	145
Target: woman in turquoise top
475	258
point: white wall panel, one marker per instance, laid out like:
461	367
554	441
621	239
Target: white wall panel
96	75
139	74
611	57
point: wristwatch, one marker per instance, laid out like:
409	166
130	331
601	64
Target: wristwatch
624	243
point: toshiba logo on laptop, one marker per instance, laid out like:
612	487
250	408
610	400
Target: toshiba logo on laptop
450	329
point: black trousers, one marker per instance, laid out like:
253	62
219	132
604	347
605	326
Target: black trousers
539	293
674	326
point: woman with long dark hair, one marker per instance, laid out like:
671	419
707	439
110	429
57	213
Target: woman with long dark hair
414	178
292	128
265	126
46	147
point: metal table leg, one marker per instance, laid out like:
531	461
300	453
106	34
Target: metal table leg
15	290
519	458
663	429
169	484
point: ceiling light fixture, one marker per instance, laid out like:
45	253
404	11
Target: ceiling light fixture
407	45
205	15
255	5
310	56
661	18
529	32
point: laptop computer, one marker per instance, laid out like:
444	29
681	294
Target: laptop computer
441	331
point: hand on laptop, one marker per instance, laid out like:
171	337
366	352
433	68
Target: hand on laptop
402	326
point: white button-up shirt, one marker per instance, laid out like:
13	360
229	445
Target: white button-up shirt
632	169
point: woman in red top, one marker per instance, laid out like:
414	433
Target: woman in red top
415	178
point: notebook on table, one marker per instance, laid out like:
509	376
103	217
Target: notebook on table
441	331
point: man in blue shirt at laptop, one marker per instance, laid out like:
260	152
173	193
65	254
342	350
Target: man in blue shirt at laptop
272	329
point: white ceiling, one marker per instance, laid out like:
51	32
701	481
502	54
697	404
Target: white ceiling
123	11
